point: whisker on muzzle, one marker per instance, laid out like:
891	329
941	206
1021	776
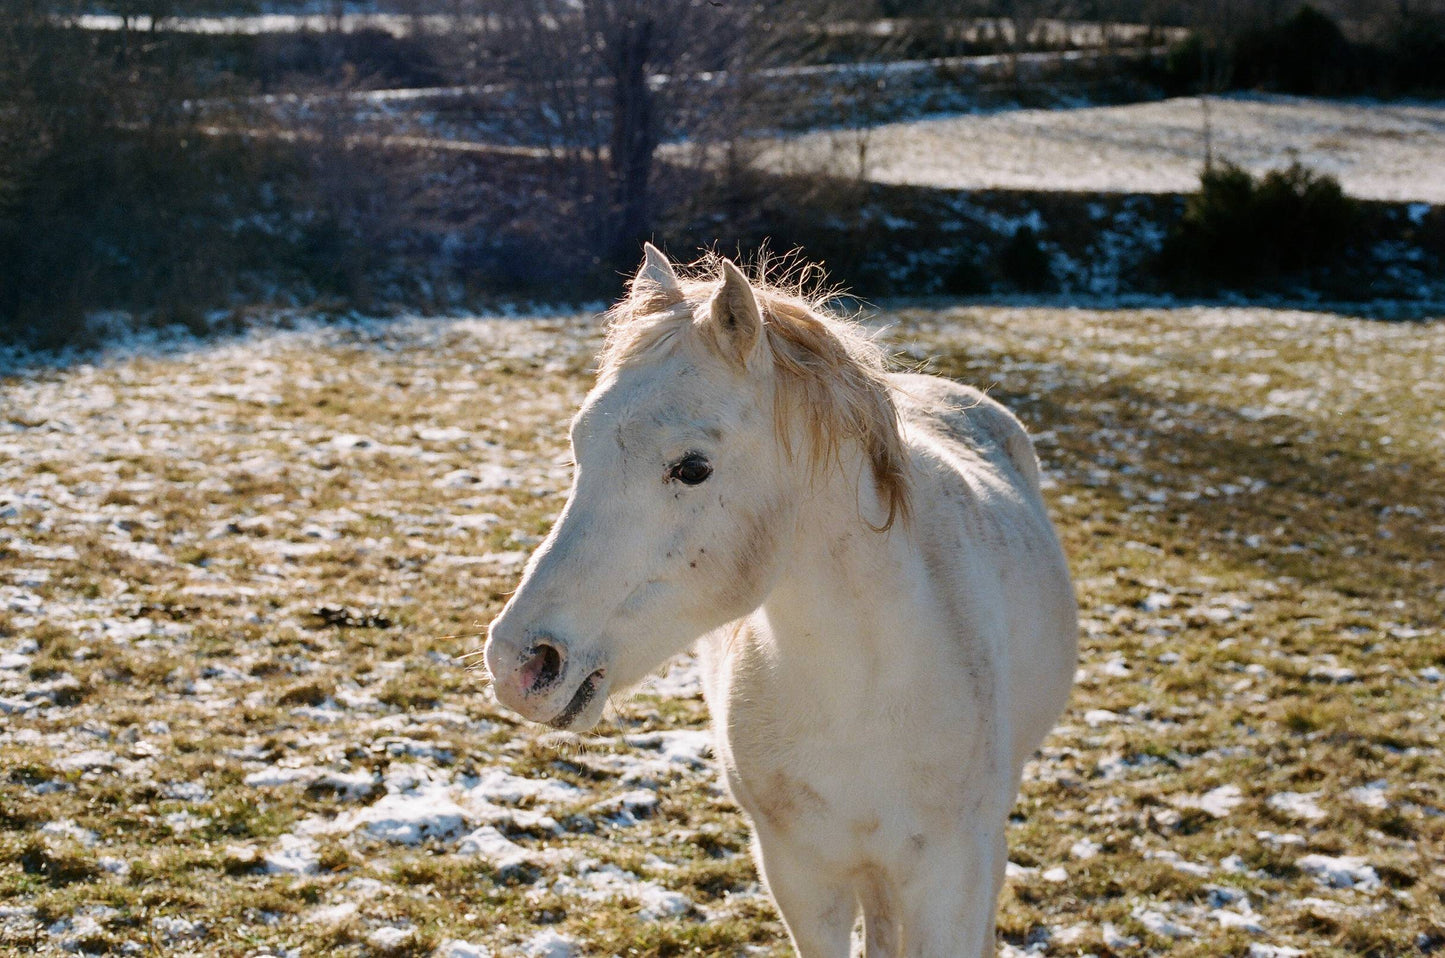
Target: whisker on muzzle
480	670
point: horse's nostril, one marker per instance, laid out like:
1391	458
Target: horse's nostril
541	668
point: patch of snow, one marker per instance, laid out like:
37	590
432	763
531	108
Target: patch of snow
606	882
389	938
186	791
292	855
1162	925
1333	673
550	944
681	678
1344	871
1221	895
628	808
14	662
1217	802
182	822
491	845
456	948
1287	840
1234	865
1178	862
1300	806
66	828
114	866
172	928
684	747
1007	950
72	932
90	760
1243	920
275	775
363	888
481	521
1116	940
1157	602
332	914
499	785
1322	907
401	745
483	477
1096	717
443	434
349	785
1117	667
1371	795
1260	950
407	818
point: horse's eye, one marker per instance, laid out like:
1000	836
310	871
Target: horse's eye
691	470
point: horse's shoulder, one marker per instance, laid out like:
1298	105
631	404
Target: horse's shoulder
964	415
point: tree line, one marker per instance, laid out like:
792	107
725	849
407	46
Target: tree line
160	170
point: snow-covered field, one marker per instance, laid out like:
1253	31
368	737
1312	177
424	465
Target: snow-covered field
237	581
1385	151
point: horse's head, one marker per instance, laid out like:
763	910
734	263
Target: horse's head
684	497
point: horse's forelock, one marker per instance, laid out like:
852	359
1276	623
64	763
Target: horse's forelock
827	369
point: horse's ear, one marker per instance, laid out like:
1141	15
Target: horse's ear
734	314
656	286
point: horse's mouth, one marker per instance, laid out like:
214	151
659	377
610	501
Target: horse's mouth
586	692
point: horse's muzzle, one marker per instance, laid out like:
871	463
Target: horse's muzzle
533	675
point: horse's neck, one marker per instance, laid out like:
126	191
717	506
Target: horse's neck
842	588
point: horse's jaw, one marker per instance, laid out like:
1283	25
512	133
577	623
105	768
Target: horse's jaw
584	710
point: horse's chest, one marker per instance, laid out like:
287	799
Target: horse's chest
844	785
842	806
856	762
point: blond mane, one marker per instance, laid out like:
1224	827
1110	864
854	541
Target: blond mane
826	367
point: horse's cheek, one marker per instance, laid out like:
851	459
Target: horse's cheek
752	558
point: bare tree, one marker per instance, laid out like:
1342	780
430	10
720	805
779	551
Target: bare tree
606	81
1215	27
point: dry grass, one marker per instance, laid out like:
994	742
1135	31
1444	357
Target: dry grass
269	556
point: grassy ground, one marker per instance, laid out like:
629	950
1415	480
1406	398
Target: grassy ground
235	582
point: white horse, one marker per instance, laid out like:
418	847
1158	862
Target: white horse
883	611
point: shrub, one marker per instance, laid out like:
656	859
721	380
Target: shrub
1306	53
1184	65
1239	231
1415	52
1024	263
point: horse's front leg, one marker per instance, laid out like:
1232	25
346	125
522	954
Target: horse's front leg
817	906
953	897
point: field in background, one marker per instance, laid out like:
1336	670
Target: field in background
432	156
238	579
1378	151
